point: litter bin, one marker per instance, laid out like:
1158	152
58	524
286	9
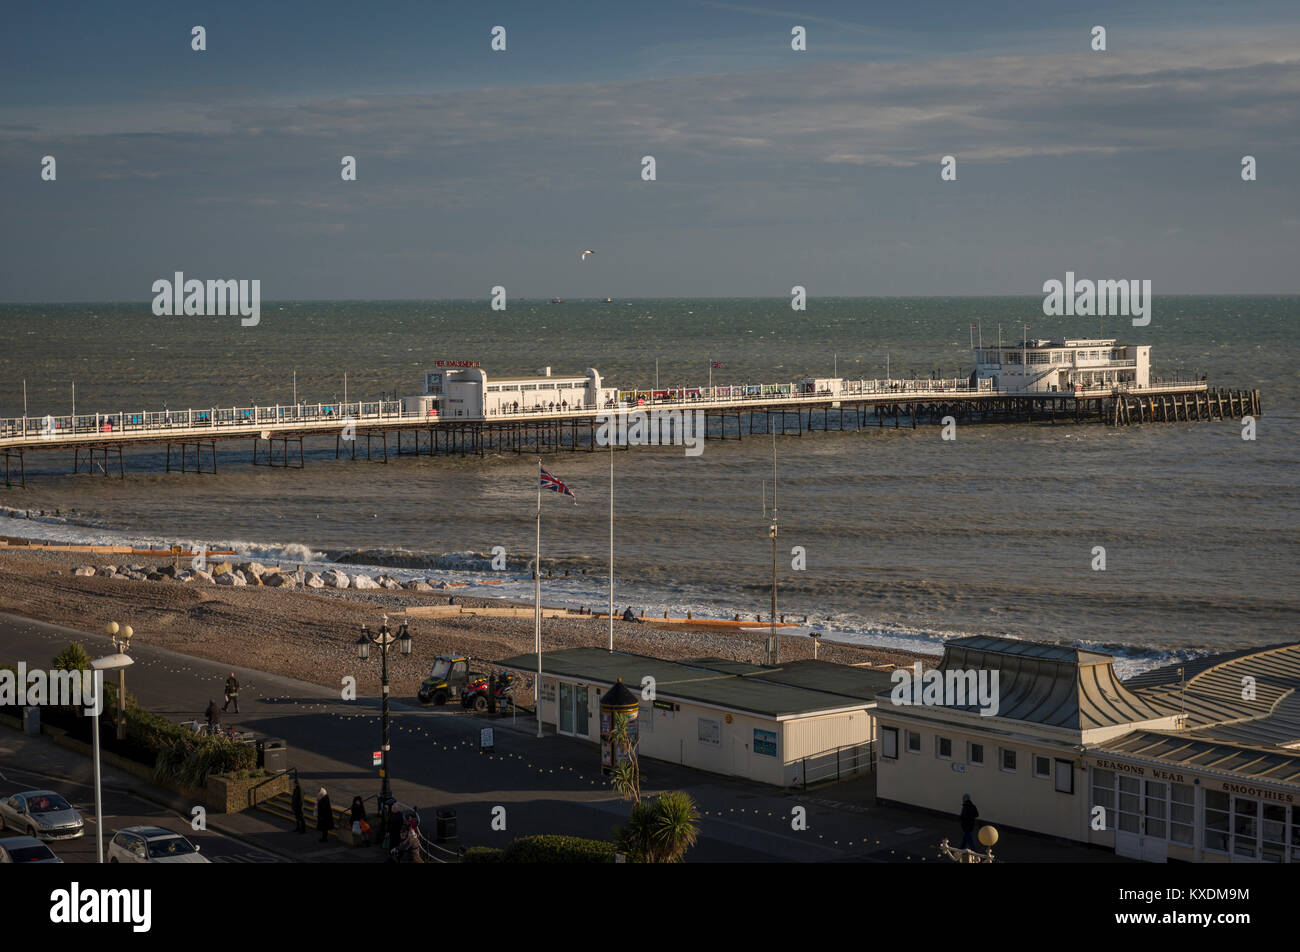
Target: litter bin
445	825
31	720
273	754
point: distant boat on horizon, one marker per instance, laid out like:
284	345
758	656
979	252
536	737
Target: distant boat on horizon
557	300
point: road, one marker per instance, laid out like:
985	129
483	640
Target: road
120	810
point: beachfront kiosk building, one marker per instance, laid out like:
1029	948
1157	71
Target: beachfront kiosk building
461	389
793	724
1065	366
1198	762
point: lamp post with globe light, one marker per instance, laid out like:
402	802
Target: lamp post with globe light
113	662
384	638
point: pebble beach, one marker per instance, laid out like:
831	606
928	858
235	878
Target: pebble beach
309	633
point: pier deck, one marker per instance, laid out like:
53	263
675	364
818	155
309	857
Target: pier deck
277	432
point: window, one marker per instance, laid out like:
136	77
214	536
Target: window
1156	807
913	742
1064	776
975	754
1042	766
1245	824
943	748
889	742
1182	812
1103	794
1272	834
1008	759
1216	821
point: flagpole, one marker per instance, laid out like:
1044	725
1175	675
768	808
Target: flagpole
537	600
611	546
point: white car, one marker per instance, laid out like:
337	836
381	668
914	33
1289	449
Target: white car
26	849
43	814
152	844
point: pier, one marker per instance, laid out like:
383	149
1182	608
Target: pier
275	435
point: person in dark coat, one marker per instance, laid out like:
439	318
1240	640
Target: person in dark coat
232	692
324	815
211	714
299	819
968	817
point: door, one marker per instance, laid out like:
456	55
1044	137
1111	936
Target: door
566	708
1142	827
581	715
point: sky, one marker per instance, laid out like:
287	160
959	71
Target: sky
774	167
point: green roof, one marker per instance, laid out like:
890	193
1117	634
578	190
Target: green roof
770	692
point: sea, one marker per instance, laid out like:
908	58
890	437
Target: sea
907	539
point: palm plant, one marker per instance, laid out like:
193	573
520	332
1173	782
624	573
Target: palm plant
661	830
675	827
625	776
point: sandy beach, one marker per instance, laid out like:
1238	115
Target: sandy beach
310	633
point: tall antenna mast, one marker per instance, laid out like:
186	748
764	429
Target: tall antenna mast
773	649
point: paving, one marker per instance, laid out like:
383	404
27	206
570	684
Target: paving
547	785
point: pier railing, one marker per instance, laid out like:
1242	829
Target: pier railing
214	421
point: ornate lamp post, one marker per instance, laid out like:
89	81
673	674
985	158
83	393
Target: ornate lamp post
988	837
121	635
384	638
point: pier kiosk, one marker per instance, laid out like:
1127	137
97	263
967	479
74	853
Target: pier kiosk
462	389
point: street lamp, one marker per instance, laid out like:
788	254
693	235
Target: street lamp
383	638
122	645
109	663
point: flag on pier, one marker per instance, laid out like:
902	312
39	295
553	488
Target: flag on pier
553	484
714	363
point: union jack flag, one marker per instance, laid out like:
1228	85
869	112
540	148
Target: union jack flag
553	484
715	364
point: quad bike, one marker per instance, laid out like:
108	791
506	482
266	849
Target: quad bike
476	693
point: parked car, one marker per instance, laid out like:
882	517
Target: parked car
152	844
26	849
41	813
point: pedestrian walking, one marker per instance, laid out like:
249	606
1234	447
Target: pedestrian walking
324	815
232	692
300	821
968	817
360	828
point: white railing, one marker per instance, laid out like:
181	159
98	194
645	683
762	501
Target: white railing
214	419
193	423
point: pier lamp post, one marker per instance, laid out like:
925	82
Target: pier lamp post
384	638
109	663
121	635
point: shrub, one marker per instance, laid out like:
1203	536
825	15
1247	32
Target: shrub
483	854
550	848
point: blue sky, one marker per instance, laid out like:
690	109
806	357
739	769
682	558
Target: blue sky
775	168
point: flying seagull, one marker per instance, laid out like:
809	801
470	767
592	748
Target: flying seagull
587	252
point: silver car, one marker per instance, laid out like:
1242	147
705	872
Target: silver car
26	849
152	844
43	814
